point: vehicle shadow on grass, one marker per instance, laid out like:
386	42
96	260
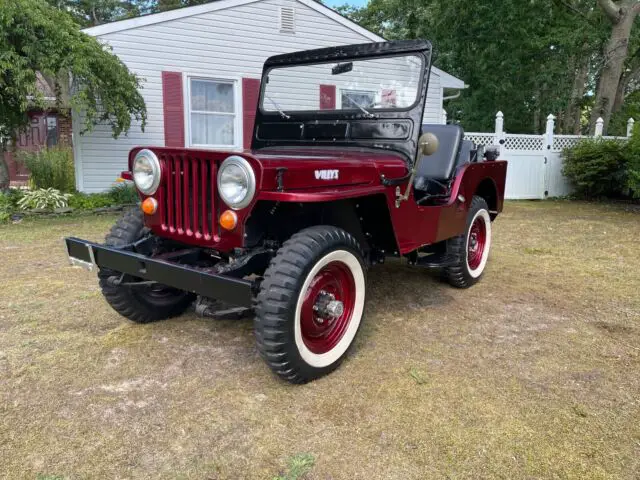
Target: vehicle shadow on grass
395	292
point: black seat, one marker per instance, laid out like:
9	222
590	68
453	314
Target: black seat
440	166
435	171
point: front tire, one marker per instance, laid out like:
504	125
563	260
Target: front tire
139	304
471	249
311	303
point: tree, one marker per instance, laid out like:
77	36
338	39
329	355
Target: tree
621	15
525	58
86	76
89	13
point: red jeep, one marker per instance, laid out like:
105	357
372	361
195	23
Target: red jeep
332	185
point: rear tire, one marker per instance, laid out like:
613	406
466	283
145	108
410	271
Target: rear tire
311	303
471	249
140	305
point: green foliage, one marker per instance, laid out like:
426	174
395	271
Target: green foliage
50	168
89	201
43	199
633	163
299	465
89	13
523	64
9	203
597	168
120	194
124	193
36	37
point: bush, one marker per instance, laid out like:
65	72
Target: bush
120	194
50	168
44	199
89	201
124	193
598	168
9	203
633	163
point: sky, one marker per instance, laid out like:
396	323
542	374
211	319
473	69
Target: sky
335	3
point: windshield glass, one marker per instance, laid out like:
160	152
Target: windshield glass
362	85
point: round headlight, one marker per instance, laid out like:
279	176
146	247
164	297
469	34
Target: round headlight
146	172
236	182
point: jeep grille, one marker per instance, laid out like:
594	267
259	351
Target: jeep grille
188	196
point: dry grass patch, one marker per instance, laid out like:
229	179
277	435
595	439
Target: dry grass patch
533	373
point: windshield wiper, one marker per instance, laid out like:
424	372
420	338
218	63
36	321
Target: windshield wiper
277	107
364	110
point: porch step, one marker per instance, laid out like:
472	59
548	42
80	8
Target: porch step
436	260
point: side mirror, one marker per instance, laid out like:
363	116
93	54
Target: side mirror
428	143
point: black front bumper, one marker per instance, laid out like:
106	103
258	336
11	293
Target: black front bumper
228	289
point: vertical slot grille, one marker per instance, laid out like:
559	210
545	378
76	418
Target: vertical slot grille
188	196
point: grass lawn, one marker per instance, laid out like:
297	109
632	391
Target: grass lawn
532	373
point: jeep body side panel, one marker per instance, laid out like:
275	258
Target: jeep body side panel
415	225
189	206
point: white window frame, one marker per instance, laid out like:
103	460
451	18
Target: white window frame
237	106
354	90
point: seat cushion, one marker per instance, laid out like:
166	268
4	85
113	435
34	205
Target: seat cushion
440	165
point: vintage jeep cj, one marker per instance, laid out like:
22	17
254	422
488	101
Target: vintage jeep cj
340	175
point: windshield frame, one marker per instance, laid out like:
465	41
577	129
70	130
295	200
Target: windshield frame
371	113
387	129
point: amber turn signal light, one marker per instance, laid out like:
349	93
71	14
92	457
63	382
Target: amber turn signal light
228	220
149	205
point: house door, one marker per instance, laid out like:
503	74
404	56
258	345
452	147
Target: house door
42	131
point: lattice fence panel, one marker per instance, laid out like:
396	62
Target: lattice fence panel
617	139
560	142
480	138
523	142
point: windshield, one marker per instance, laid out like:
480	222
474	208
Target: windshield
362	85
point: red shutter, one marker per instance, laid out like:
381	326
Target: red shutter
173	107
327	97
250	95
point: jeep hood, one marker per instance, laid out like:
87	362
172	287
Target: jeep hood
305	169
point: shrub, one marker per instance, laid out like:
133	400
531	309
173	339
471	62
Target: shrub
9	203
633	163
120	194
598	168
50	168
124	193
43	198
89	201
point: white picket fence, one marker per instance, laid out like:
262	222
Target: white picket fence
535	161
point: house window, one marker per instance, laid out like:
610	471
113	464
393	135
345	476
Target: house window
212	113
52	131
350	98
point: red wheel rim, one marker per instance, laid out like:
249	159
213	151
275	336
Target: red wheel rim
321	331
477	242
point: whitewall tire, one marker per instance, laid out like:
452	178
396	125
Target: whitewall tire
311	303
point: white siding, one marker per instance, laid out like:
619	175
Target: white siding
231	43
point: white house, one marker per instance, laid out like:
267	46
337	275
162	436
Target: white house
220	45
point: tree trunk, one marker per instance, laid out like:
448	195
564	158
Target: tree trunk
615	53
623	87
573	114
4	169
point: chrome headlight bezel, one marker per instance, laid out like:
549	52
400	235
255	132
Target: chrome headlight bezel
147	155
250	177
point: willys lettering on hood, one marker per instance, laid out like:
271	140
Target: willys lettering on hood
303	170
